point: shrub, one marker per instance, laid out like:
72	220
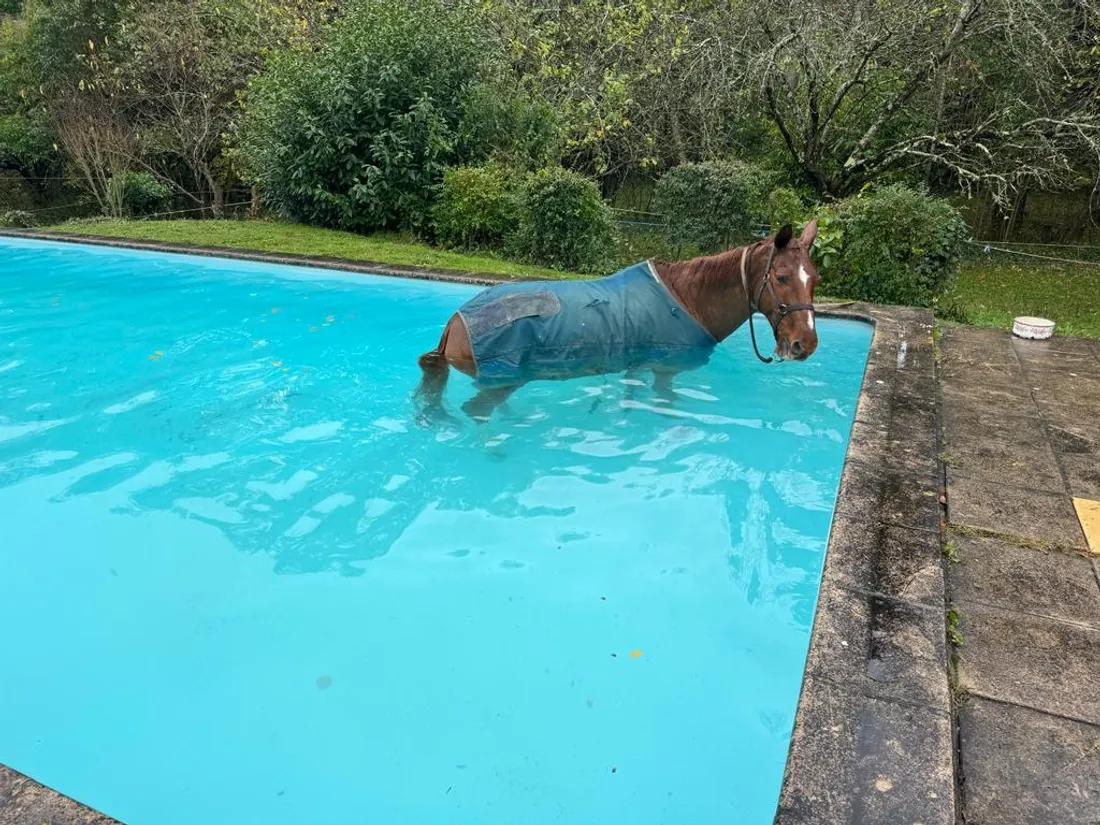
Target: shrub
710	206
893	245
356	134
564	222
477	206
783	205
144	194
16	219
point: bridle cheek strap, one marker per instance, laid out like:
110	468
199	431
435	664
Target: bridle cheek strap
781	310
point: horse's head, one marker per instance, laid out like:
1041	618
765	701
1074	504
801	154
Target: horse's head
785	292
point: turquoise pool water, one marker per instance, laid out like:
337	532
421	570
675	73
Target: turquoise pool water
239	585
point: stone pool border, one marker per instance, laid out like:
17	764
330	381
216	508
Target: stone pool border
873	737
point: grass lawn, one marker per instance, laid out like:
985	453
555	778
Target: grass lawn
271	236
992	291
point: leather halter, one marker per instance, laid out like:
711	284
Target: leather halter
783	310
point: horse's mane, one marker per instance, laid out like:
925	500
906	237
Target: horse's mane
706	268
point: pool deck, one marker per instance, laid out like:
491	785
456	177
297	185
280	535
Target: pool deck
894	724
1022	442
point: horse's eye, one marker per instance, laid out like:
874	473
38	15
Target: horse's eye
781	278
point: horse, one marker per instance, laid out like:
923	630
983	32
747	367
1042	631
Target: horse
660	316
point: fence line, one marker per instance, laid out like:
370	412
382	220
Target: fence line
987	248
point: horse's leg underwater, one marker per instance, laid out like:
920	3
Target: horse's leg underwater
436	368
662	384
481	406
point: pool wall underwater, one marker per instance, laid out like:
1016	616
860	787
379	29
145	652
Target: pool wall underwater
872	735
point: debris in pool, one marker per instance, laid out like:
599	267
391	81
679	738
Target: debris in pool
154	357
276	363
636	653
275	310
589	702
158	352
613	770
614	655
324	682
603	598
330	319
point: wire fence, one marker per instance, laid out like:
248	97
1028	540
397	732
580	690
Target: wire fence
988	248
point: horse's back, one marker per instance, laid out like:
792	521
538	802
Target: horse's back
558	329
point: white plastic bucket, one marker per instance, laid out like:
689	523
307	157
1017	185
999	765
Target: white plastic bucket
1028	327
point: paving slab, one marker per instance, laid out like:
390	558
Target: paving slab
884	647
1048	583
867	760
1035	515
25	802
890	497
1040	663
896	562
1021	767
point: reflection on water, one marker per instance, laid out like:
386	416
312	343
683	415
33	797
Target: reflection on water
276	411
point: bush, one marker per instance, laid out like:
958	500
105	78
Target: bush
783	205
477	206
564	223
16	219
710	206
356	134
892	245
144	194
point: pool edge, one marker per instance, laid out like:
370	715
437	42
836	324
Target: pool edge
873	737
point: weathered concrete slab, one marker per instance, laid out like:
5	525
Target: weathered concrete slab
25	802
883	647
1054	584
866	760
1021	767
1047	665
890	497
895	562
1023	454
1035	515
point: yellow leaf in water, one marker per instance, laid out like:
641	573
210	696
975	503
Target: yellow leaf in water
636	653
158	352
276	363
330	318
154	357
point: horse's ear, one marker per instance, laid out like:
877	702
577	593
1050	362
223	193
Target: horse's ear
809	234
784	236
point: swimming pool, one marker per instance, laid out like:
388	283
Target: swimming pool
237	584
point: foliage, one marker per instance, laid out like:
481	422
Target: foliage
710	206
979	94
16	218
898	246
356	134
143	194
564	222
782	205
477	206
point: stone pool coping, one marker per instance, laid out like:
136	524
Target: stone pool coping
873	737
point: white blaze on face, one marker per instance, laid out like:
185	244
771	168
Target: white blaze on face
804	277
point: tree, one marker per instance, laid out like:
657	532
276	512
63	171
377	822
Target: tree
356	134
974	89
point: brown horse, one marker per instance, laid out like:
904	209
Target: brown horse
775	276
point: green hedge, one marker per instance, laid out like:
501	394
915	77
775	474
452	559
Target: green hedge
564	223
477	207
710	206
892	245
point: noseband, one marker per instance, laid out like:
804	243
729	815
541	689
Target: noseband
782	310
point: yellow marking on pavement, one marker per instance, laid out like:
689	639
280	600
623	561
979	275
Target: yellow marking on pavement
1088	513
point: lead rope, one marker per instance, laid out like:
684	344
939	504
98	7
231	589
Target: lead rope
752	303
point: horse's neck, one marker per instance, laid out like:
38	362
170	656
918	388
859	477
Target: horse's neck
710	289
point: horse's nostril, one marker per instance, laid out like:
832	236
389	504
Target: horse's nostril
796	347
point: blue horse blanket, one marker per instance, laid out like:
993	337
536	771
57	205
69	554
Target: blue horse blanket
560	329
